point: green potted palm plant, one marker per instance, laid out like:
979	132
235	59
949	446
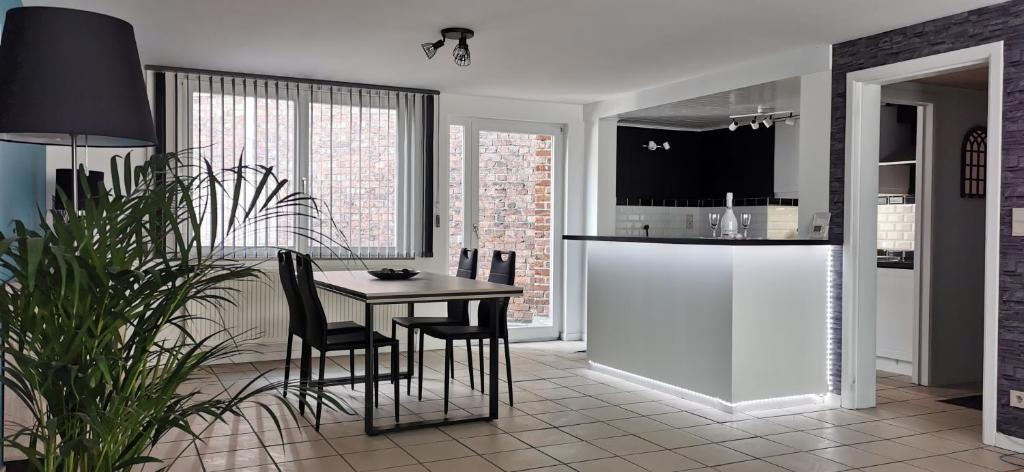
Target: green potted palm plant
95	314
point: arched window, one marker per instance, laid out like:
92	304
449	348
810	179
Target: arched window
972	163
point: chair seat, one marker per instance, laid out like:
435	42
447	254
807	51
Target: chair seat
338	326
457	332
356	340
418	321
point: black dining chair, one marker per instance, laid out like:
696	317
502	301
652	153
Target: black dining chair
458	315
503	271
319	338
297	320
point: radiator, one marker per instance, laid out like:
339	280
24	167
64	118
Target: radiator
260	312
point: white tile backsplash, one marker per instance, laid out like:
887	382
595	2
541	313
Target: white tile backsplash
775	222
896	227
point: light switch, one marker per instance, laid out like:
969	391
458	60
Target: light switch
1017	222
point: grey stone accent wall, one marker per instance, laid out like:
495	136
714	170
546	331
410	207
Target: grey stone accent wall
1002	22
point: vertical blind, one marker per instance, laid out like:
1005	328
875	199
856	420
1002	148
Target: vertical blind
365	154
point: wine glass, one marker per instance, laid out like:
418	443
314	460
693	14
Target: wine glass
714	219
745	223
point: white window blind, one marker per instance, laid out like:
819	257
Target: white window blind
358	151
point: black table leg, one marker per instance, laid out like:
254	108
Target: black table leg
410	349
368	368
493	410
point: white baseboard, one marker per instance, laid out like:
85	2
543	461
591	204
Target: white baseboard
895	366
1009	442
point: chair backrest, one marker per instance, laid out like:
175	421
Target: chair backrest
459	309
316	320
296	310
503	271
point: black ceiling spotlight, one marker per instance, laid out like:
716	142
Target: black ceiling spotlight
461	52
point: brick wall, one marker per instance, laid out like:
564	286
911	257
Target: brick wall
1002	22
514	213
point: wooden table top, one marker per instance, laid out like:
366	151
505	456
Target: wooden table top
424	287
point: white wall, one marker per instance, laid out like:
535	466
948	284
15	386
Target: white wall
815	144
957	235
454	107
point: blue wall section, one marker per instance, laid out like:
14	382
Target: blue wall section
22	171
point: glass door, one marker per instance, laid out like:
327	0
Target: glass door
503	196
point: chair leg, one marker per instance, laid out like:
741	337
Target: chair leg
451	363
394	374
376	378
320	389
305	359
480	343
352	368
508	373
469	360
410	350
447	369
421	367
288	365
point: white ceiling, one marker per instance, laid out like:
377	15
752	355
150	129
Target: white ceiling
712	111
576	51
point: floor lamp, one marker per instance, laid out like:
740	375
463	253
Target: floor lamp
68	77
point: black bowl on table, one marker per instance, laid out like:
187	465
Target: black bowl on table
393	274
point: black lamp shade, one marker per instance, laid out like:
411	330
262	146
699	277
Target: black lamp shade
70	72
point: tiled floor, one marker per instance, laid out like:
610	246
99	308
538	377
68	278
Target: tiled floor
568	418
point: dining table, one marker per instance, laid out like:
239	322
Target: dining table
425	287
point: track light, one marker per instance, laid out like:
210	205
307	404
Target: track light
461	52
431	48
733	125
666	146
653	146
767	121
790	120
754	124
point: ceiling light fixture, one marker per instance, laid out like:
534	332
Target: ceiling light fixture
653	146
791	120
733	125
461	52
767	122
763	116
754	124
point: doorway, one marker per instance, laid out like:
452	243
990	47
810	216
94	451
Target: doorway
503	195
860	273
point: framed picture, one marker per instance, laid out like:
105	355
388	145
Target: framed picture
819	225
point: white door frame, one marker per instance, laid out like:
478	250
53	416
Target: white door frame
471	199
863	92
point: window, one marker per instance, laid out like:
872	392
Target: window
358	151
972	163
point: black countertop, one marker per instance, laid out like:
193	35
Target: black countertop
704	241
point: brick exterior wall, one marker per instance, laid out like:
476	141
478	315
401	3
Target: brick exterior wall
515	212
1003	22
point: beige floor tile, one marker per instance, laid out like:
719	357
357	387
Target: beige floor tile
463	464
932	443
494	443
439	451
611	464
718	432
893	450
759	447
798	422
882	429
984	458
851	456
235	459
759	427
894	467
750	466
802	441
379	459
607	413
843	435
967	436
421	436
298	451
321	464
713	454
917	424
838	417
673	438
663	461
545	437
512	461
720	416
945	464
544	406
575	452
469	430
649	408
554	468
624	445
681	419
361	443
565	418
806	462
344	429
580	403
593	431
514	424
639	425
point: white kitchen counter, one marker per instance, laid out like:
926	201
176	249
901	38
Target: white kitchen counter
730	325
